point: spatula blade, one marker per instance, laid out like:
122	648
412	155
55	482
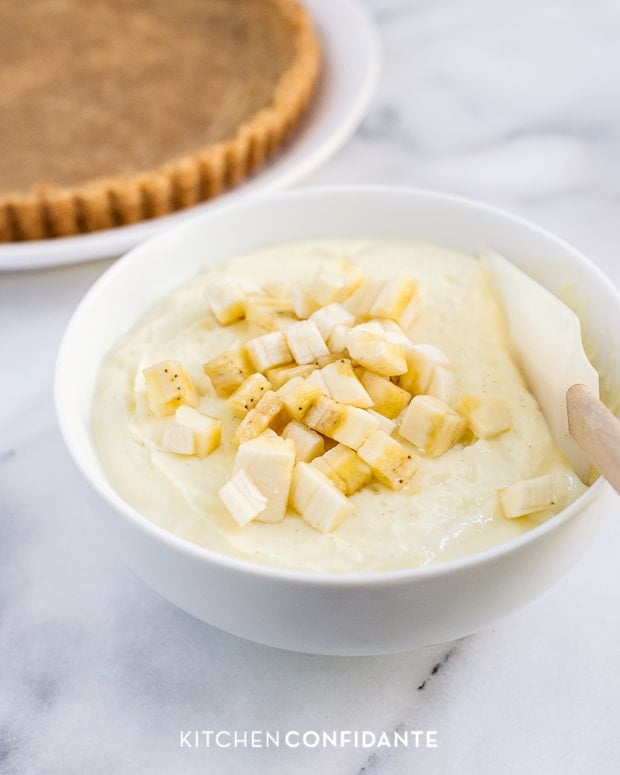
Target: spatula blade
546	339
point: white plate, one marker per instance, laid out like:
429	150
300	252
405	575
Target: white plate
351	66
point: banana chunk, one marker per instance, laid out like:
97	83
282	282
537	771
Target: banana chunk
305	342
265	311
391	463
279	376
317	379
347	424
422	360
375	327
324	360
308	443
388	399
242	498
206	431
385	424
282	322
317	500
268	351
268	460
431	425
394	332
395	300
487	416
528	496
247	396
168	386
301	301
321	465
344	468
327	318
268	413
362	298
277	289
343	384
335	283
375	353
297	396
444	386
228	370
337	340
227	298
178	440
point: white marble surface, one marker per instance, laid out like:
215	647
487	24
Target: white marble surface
515	103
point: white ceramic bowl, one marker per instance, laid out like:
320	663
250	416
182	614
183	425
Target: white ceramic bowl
360	613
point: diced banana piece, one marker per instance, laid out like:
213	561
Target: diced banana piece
206	431
321	465
355	273
385	424
422	359
373	327
431	425
388	399
168	386
228	370
346	424
443	385
348	467
375	353
248	395
343	384
528	496
178	440
242	498
362	298
355	428
487	416
316	379
308	443
297	395
282	323
267	351
283	374
303	305
227	298
337	340
394	299
331	358
327	318
326	287
277	289
268	412
393	332
411	312
391	463
268	460
305	342
334	284
264	311
316	499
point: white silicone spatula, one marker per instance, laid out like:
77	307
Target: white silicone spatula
546	338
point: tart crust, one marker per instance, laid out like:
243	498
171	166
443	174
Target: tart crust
49	211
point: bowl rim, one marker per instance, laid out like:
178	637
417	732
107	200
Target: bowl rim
379	578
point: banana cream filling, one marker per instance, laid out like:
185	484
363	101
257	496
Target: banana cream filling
363	415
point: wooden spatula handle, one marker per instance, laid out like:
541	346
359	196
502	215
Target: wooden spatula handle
596	430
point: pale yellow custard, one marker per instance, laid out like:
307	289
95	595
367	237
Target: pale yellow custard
449	509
